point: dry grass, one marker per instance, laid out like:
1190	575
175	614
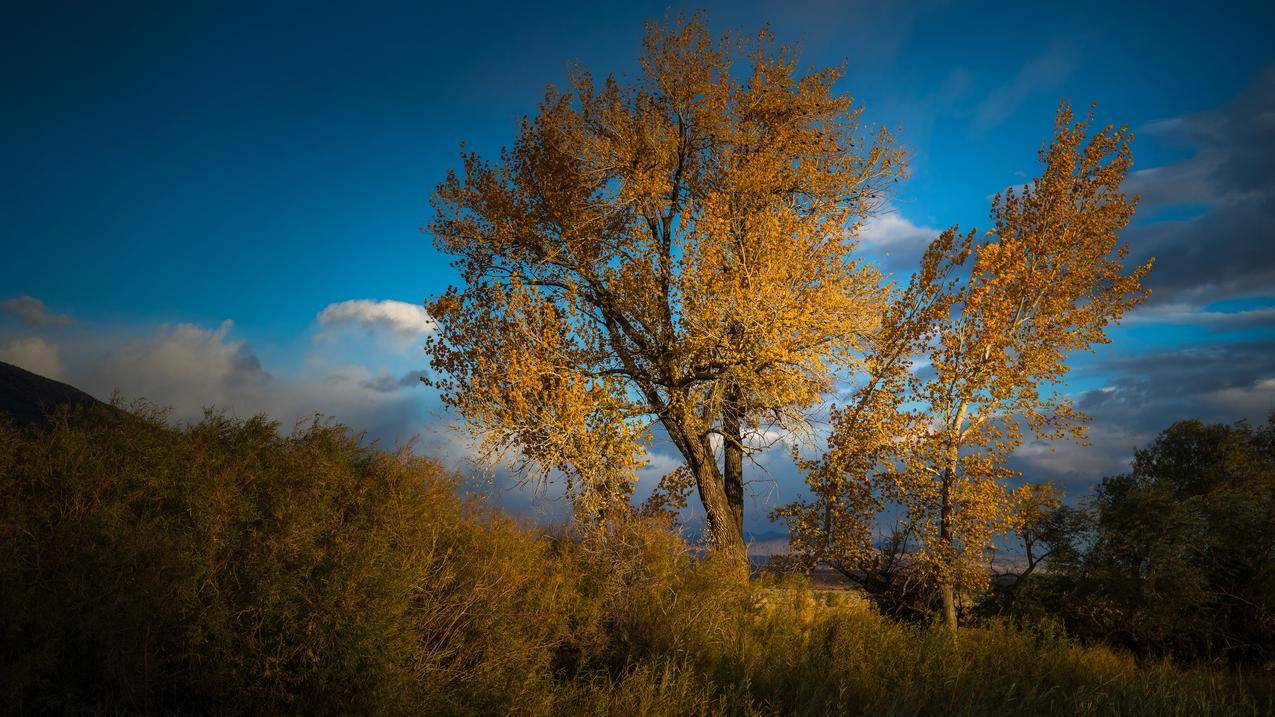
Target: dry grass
224	568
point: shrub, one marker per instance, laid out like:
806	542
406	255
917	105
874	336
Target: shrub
225	567
220	567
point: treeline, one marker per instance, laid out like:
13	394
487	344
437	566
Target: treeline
221	567
1175	558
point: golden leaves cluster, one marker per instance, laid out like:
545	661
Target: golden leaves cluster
644	244
996	319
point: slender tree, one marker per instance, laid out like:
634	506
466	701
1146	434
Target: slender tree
987	327
672	252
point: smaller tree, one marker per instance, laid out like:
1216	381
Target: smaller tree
1047	528
972	358
850	481
1052	537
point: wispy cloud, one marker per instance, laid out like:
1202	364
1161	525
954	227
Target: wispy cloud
388	383
1188	314
1043	72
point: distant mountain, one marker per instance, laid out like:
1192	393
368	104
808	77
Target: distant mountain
766	545
30	398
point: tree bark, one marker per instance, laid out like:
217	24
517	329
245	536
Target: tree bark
733	455
946	589
709	483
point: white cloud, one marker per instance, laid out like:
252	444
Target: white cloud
35	355
398	317
891	229
189	368
898	241
33	312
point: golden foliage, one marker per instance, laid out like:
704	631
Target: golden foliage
989	323
652	251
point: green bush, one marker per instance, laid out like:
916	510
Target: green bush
1175	558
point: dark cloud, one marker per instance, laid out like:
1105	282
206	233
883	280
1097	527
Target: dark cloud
1144	394
385	383
1213	320
33	312
1227	250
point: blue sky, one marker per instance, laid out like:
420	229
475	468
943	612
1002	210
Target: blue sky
170	169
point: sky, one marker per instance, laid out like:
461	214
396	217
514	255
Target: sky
221	204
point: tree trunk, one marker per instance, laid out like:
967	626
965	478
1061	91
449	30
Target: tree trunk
946	590
727	537
733	455
949	605
946	540
698	452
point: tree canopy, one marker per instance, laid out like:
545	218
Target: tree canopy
674	250
971	357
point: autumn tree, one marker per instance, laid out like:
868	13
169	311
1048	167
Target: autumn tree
1043	524
981	341
675	253
848	481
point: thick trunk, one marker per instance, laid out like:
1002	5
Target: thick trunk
727	536
949	606
709	483
733	455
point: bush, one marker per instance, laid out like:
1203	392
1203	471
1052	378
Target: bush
220	567
1177	556
223	567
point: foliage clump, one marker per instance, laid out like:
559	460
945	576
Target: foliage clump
1174	558
148	568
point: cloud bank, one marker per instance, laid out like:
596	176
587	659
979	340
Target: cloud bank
1227	248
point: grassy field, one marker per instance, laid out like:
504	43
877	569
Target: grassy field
224	568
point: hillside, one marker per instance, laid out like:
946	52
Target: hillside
30	398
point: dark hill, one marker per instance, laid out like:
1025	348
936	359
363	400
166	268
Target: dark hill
30	398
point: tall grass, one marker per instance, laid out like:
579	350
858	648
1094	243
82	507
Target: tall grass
221	567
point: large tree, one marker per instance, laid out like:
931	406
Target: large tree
672	251
971	357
